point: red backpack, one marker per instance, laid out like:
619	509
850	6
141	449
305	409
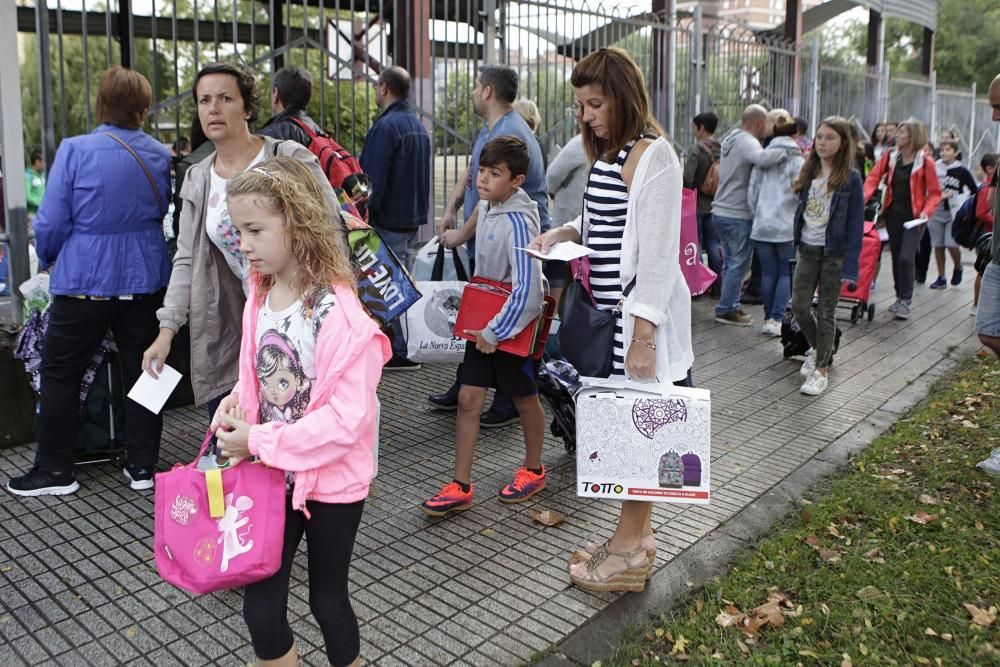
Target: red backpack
341	168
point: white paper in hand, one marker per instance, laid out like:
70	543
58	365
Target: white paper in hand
910	224
151	393
563	251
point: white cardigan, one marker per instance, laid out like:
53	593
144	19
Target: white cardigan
661	294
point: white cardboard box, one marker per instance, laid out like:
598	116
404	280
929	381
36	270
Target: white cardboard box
643	441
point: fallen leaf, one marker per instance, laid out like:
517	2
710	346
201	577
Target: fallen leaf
875	556
548	517
930	632
806	516
769	614
829	556
927	500
729	616
699	604
833	531
809	654
983	617
824	609
947	636
680	646
769	565
846	662
863	649
922	517
132	632
743	647
869	593
660	632
893	522
813	541
967	424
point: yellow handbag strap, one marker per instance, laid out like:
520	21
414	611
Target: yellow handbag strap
216	505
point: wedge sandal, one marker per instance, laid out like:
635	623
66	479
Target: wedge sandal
630	579
648	542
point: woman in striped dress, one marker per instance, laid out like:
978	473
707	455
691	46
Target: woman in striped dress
631	219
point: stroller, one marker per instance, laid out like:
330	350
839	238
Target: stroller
558	382
859	300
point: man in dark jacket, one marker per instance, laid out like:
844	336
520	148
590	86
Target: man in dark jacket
397	156
700	158
289	98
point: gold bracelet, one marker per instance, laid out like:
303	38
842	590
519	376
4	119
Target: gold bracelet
651	346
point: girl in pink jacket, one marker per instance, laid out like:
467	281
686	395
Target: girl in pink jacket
310	361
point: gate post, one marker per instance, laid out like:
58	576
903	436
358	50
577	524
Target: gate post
12	146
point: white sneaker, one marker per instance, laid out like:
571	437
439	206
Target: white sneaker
815	384
771	328
991	465
809	365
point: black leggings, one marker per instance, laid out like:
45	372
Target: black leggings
329	542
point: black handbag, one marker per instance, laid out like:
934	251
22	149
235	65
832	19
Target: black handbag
586	334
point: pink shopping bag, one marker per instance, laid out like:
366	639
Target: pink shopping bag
698	276
221	528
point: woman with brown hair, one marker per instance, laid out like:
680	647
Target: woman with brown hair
209	279
912	193
631	220
829	226
104	205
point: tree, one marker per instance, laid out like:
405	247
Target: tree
457	124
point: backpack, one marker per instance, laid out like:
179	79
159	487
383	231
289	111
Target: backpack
671	472
966	228
710	183
341	168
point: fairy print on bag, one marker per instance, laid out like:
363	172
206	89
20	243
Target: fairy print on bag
235	529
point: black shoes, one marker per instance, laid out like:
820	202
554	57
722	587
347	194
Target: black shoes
140	479
401	364
40	483
446	401
494	418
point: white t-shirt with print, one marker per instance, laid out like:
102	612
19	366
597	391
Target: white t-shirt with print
220	228
286	355
816	213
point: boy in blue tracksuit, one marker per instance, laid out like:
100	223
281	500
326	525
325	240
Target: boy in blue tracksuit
508	220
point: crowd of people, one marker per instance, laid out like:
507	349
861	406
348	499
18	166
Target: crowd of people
262	258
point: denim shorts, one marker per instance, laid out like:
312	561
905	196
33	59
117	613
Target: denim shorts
988	311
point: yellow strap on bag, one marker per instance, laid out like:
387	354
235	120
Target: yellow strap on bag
216	504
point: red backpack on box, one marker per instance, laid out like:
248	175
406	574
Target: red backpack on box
341	168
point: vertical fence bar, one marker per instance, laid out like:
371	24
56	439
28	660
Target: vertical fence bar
694	91
177	83
47	113
63	114
107	30
932	91
12	148
86	67
972	123
671	73
814	82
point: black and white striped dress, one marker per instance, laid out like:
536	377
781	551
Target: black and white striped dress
605	206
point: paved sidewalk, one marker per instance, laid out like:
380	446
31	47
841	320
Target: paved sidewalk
78	585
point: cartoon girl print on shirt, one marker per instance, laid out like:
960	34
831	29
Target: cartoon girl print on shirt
284	387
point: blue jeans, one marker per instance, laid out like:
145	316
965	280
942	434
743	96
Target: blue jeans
737	246
775	278
399	242
710	242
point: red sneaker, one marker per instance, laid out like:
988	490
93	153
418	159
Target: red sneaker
451	498
525	485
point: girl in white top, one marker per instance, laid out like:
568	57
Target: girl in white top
614	109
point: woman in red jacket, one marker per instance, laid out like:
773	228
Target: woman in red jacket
912	193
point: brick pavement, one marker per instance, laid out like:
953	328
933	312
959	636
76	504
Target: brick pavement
78	585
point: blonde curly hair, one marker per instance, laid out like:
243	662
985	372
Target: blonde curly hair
315	233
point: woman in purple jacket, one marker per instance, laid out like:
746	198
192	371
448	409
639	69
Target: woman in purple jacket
99	231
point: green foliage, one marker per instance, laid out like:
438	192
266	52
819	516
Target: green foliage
965	45
457	125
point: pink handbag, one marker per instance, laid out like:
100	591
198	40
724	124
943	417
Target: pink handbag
220	528
698	276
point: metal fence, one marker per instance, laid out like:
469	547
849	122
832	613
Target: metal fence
692	63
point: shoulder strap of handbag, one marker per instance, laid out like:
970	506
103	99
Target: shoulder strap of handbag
145	169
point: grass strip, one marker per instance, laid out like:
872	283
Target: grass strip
877	569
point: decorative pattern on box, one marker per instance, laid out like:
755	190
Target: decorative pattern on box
643	442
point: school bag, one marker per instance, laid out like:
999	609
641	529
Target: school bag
710	184
671	471
341	168
967	227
